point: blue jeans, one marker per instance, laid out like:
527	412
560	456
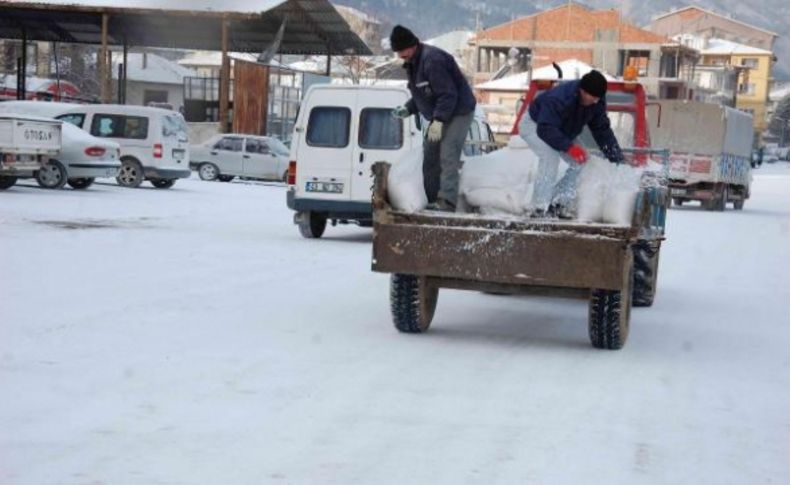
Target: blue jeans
546	192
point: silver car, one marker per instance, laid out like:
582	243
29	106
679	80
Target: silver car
230	155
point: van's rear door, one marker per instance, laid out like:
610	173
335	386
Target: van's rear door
326	145
380	136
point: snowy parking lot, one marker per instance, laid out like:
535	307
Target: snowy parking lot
191	336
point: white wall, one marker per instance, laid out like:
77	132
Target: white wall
135	93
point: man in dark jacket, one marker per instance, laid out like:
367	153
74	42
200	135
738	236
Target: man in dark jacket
554	121
441	95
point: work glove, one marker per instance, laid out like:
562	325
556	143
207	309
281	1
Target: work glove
435	131
401	112
578	154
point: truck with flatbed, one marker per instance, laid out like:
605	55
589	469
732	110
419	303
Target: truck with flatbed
710	152
26	143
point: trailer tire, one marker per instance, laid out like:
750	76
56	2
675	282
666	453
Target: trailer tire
7	181
645	274
412	302
609	316
738	204
314	227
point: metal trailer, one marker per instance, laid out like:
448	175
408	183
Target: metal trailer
710	152
26	143
614	267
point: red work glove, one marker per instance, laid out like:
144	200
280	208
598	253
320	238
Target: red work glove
577	153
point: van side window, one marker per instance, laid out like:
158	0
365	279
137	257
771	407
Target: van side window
228	143
119	126
328	127
378	129
76	119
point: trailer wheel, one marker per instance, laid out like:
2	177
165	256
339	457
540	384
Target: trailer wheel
412	303
314	226
738	204
7	181
608	321
645	274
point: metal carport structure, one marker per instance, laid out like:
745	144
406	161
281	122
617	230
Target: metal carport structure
313	27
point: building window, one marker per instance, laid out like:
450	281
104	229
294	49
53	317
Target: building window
750	62
638	59
748	89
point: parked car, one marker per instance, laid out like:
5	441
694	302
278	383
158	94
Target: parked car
82	157
226	156
154	142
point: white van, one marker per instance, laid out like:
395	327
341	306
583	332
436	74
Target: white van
339	133
154	142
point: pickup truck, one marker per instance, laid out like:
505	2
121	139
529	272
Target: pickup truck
26	143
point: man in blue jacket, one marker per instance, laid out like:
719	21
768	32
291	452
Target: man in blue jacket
554	121
441	95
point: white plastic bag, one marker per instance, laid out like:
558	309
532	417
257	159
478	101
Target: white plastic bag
405	185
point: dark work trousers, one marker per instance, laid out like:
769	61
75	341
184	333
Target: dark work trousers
442	161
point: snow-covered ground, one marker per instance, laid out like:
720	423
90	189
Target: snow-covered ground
191	336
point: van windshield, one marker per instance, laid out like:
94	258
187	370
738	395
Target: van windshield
174	126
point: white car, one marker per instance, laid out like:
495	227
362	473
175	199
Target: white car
82	157
154	142
230	155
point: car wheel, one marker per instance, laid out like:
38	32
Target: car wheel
7	181
208	171
52	175
226	178
163	183
130	174
81	183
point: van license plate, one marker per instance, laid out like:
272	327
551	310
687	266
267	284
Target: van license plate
178	154
328	187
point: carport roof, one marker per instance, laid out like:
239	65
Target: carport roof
312	27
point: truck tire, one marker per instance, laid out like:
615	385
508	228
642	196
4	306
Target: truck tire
412	303
609	316
52	175
7	181
81	183
678	201
645	274
738	204
314	227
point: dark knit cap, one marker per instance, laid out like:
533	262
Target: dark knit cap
594	83
402	38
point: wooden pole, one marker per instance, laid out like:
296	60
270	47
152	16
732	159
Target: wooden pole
125	70
224	81
104	69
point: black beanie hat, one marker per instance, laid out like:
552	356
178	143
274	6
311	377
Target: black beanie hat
594	84
402	38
